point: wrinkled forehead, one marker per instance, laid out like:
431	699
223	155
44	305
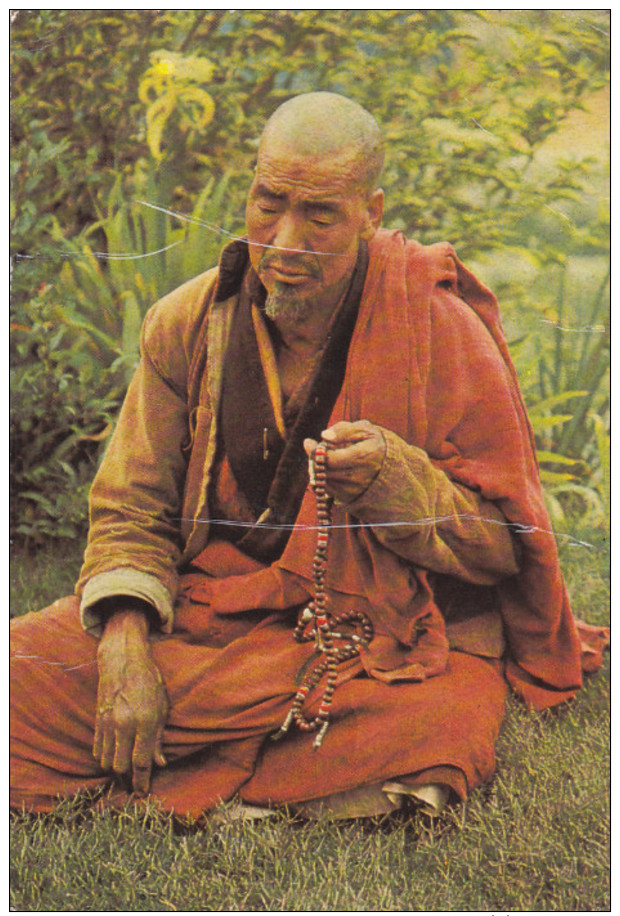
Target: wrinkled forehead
333	164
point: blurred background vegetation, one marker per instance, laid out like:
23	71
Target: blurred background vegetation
497	132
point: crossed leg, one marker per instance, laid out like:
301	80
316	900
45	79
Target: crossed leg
225	702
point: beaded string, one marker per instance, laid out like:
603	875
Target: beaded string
316	623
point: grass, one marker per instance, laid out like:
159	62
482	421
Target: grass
39	578
535	839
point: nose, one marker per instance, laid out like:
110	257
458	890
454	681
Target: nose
290	232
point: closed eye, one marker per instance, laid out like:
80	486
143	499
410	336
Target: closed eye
322	214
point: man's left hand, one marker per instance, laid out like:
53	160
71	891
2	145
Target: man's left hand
354	458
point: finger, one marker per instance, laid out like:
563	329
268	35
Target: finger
141	763
353	455
106	756
124	742
310	447
345	431
98	739
159	756
141	779
102	710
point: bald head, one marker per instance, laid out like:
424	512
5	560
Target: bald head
328	125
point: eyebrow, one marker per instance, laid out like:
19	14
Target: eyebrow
264	191
327	206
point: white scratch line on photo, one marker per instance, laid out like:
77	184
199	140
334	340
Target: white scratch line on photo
515	527
231	235
587	328
19	657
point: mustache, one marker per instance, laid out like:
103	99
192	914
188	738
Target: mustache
308	263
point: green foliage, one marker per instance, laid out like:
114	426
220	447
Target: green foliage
563	366
76	75
103	300
62	408
113	107
38	579
584	506
466	98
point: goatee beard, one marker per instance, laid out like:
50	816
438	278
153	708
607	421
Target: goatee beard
285	305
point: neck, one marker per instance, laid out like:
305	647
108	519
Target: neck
305	335
301	334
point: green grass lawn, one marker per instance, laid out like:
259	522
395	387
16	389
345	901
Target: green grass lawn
535	839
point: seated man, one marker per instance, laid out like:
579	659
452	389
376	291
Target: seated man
178	649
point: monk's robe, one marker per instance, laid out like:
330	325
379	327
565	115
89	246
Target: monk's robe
449	551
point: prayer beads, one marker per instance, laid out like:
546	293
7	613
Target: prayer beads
316	623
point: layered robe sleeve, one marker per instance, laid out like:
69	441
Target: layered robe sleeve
136	501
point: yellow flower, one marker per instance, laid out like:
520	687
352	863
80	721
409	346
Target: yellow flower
163	68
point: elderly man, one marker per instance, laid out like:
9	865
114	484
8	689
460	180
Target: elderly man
432	585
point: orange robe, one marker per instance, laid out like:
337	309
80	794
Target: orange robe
428	362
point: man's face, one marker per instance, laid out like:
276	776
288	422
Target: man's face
305	216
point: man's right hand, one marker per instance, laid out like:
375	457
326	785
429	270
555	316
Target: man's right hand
132	706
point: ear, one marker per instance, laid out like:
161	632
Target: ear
373	214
